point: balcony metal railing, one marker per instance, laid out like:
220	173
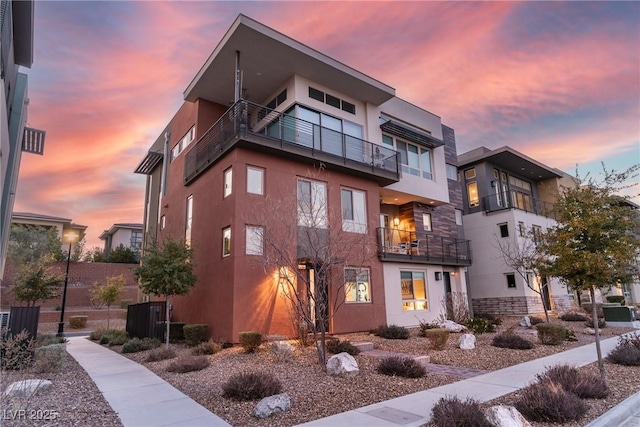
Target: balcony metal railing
286	132
400	245
517	200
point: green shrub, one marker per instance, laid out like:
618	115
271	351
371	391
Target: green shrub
206	348
478	325
616	299
573	317
586	386
250	340
78	322
176	331
401	367
194	334
251	386
16	351
160	353
125	303
136	345
44	340
453	412
113	337
438	338
336	346
50	358
549	402
425	326
512	341
188	363
551	333
393	332
626	352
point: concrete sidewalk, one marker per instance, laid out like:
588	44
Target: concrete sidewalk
140	397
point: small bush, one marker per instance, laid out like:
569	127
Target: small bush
601	323
16	351
536	320
478	325
512	341
588	307
78	322
50	358
194	334
176	331
401	367
188	363
616	299
336	346
44	340
136	345
206	348
494	321
250	386
393	332
573	317
438	338
124	304
160	353
626	352
250	340
551	333
113	337
453	412
97	334
549	402
586	386
425	326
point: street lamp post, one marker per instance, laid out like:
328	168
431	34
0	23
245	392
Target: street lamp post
60	333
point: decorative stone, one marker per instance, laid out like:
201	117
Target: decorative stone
281	347
452	326
467	342
342	364
589	331
505	416
27	387
272	405
526	322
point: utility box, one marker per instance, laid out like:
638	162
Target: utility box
619	314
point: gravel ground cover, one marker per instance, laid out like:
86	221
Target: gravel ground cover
314	394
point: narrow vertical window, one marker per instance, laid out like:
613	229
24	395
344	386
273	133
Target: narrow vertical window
312	203
458	217
521	229
226	242
426	221
472	193
354	211
254	242
504	230
511	280
189	219
227	182
255	180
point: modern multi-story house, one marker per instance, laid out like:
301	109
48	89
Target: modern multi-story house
276	139
128	235
508	199
64	227
16	50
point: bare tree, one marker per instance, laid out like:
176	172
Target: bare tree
521	253
320	254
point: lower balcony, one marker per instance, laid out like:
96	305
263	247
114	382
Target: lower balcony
516	200
421	247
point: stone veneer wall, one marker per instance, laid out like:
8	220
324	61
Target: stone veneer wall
519	306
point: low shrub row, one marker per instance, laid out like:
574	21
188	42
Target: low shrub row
626	352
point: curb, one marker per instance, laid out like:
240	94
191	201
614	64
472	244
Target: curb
619	414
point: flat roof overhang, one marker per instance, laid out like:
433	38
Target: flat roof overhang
267	60
509	159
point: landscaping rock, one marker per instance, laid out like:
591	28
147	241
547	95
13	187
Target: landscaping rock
526	322
27	387
589	331
452	326
272	405
467	342
342	364
505	416
281	346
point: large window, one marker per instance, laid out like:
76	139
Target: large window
255	180
472	193
136	240
357	287
228	176
414	290
312	203
226	242
254	242
354	211
183	143
189	220
414	159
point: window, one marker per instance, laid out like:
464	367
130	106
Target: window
226	242
183	143
357	287
521	229
334	101
452	172
536	231
189	219
136	240
511	280
227	182
414	160
254	243
504	230
162	222
458	217
255	180
414	290
469	174
519	183
316	94
312	203
472	193
426	221
354	212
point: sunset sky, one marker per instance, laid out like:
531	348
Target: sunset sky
559	82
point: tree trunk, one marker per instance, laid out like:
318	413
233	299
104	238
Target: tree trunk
594	316
167	321
108	314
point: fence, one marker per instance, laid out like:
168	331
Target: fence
147	319
23	318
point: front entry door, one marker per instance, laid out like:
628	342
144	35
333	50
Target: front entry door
446	278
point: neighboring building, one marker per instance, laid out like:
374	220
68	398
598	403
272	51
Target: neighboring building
16	49
319	134
507	195
64	227
128	235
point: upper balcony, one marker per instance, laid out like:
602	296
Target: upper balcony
516	200
251	125
422	247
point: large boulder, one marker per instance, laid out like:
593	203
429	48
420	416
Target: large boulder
272	405
467	341
505	416
526	322
452	326
27	388
342	364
